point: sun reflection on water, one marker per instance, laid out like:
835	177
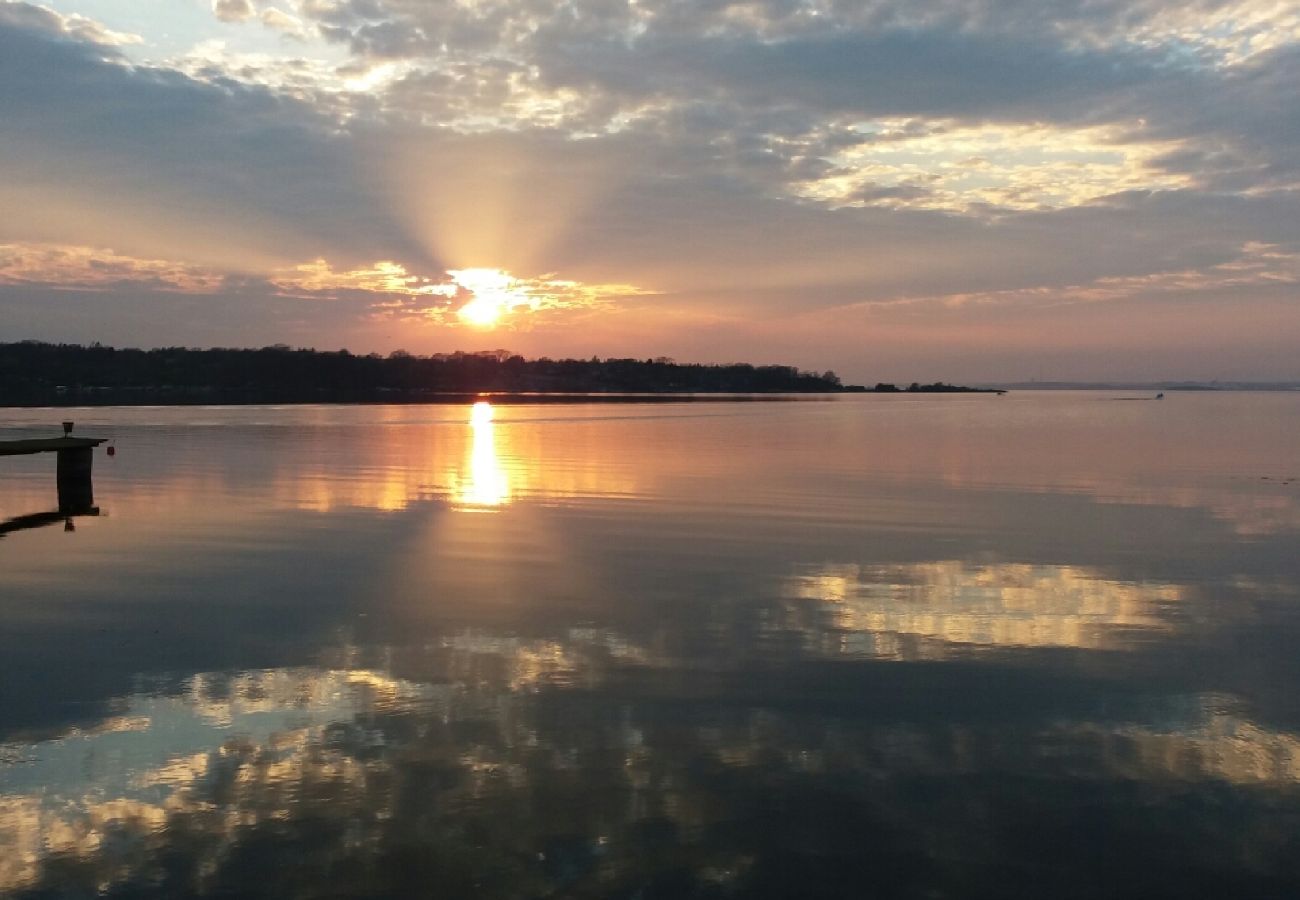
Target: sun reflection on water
487	483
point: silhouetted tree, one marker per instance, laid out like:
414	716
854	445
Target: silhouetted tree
34	372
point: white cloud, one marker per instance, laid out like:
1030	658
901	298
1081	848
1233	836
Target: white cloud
70	266
74	27
280	20
956	167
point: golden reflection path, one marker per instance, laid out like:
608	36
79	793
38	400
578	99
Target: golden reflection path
484	483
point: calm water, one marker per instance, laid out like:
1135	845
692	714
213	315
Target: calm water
1044	645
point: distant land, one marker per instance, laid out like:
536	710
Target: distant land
34	373
1149	385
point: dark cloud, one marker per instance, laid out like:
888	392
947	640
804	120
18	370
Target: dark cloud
1246	123
134	156
894	74
1142	65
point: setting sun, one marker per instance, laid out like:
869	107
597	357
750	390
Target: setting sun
495	293
481	311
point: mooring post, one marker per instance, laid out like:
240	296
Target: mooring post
76	490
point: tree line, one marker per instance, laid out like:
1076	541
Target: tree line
36	372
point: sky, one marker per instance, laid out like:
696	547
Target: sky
965	190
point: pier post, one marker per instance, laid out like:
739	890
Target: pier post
76	490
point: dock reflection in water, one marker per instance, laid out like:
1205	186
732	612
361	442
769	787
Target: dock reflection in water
823	650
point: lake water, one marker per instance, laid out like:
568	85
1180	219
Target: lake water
1041	645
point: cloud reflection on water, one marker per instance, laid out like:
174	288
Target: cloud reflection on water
364	759
1003	604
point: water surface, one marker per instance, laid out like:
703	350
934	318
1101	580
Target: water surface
942	646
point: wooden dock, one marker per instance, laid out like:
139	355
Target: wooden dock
76	457
48	445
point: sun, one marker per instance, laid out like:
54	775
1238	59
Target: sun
494	294
482	312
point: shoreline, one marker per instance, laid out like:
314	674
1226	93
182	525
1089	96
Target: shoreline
142	398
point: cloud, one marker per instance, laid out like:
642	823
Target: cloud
52	24
459	296
279	20
160	164
1148	71
319	279
233	10
52	265
992	167
1255	266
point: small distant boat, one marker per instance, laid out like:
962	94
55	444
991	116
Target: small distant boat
1160	396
